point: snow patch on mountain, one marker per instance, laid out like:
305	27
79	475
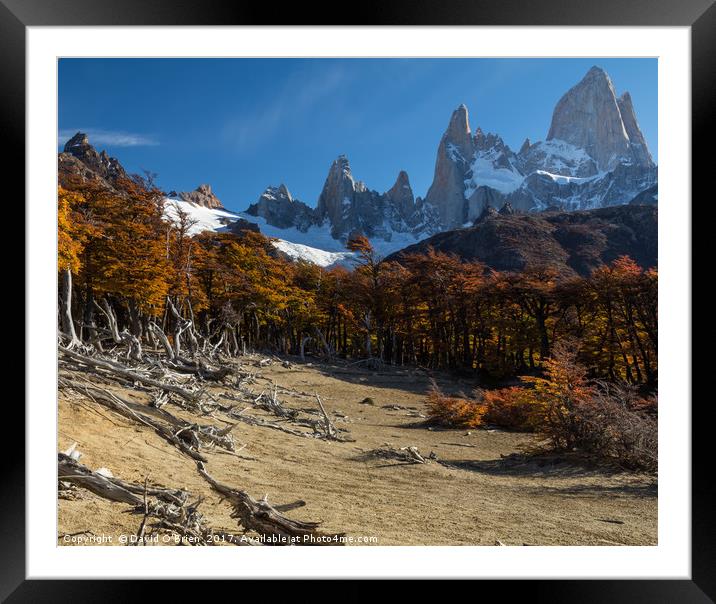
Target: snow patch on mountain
298	251
485	173
565	180
206	219
559	157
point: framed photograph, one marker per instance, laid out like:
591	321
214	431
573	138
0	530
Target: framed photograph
409	289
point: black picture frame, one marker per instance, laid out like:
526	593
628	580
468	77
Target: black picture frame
699	15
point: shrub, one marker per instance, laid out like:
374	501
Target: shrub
605	420
513	408
454	412
619	424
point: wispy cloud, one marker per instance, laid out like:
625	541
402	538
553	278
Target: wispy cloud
109	138
299	94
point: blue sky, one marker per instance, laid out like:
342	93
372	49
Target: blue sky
243	124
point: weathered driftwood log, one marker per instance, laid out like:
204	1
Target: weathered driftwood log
406	454
171	508
269	522
257	421
204	372
414	454
69	470
269	402
175	496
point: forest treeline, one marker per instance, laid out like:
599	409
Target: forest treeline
120	261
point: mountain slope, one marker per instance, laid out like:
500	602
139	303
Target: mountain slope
571	242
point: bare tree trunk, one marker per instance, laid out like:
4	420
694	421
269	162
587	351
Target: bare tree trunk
88	319
157	331
326	347
303	346
147	330
133	343
66	323
135	319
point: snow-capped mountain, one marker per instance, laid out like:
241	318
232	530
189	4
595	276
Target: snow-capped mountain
594	156
346	206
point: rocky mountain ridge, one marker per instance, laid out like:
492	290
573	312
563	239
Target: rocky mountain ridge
594	155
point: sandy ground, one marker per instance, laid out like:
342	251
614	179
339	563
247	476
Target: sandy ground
477	499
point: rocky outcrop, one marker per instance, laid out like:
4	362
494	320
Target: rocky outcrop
278	208
649	197
400	195
82	163
507	209
347	204
637	142
487	212
241	225
202	196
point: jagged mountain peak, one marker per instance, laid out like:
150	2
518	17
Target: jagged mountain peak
490	140
596	72
280	191
202	196
637	142
400	195
80	159
594	155
78	140
278	208
283	189
587	116
458	135
403	181
341	164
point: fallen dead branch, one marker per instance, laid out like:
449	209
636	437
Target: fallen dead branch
252	420
187	444
266	520
170	509
331	430
69	470
404	454
270	403
134	376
